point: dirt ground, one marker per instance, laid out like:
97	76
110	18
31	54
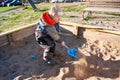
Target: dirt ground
99	55
98	60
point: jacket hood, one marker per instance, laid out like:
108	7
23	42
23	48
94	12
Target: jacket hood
47	18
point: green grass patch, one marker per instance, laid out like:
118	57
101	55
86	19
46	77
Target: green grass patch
66	16
3	9
115	14
27	8
41	6
34	16
70	8
7	22
87	17
16	19
27	15
44	6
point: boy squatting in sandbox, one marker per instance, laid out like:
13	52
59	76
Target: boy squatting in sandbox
47	32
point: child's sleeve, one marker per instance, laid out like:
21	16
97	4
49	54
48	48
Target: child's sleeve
51	31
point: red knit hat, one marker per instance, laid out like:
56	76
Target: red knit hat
47	18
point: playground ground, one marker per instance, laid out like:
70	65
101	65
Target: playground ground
99	58
99	55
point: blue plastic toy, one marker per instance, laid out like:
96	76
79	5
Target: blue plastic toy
33	56
71	51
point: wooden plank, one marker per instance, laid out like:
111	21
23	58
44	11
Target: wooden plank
75	32
104	3
117	32
105	6
3	40
105	0
16	34
80	25
19	33
23	33
17	29
111	6
112	32
100	9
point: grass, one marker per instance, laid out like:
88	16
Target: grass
28	15
7	22
75	8
44	6
115	14
16	19
65	16
3	9
87	17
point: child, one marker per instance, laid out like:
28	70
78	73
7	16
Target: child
47	32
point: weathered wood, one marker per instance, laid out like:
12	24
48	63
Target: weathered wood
75	31
22	32
3	40
100	29
80	25
111	6
17	29
104	0
16	34
112	32
101	9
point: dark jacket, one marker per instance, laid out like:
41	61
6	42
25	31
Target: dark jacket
46	34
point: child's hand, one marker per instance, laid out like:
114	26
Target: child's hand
63	43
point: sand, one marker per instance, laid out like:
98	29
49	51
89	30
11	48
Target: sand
98	60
